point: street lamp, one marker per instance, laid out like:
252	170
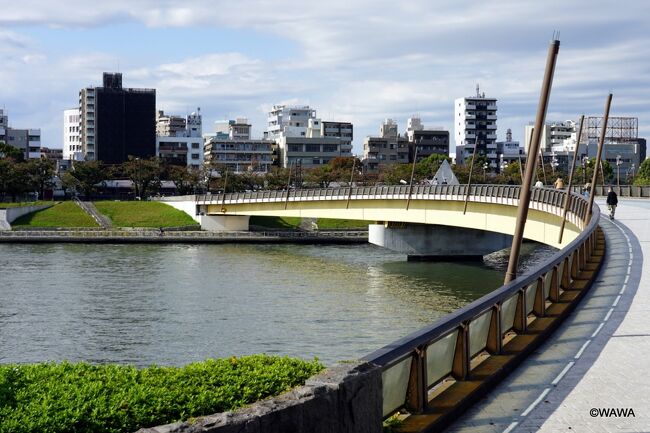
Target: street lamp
485	166
585	160
618	170
554	162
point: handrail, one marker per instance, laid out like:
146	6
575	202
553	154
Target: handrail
407	344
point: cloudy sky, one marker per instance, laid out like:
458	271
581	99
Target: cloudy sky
359	61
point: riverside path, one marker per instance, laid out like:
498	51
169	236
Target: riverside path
592	374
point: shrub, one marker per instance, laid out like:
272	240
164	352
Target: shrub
81	397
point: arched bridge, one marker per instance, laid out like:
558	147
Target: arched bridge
491	209
430	376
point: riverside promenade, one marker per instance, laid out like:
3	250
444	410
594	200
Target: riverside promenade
592	373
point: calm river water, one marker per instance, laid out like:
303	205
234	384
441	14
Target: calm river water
174	304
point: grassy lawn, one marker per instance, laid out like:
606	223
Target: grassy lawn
328	223
65	214
81	397
143	214
21	204
275	222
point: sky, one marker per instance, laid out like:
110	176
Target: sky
359	61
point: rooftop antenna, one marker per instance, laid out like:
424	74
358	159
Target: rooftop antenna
478	93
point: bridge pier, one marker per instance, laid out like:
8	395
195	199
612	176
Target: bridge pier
224	223
436	242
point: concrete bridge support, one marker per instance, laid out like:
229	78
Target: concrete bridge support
436	242
222	223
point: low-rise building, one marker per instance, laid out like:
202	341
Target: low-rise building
72	148
26	140
239	155
184	146
387	148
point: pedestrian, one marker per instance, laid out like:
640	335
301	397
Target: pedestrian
586	190
559	183
612	202
539	184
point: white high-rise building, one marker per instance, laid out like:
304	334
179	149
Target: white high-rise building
72	149
288	121
475	124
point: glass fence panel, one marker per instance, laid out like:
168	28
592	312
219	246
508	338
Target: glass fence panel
478	332
440	356
395	381
508	310
548	280
530	297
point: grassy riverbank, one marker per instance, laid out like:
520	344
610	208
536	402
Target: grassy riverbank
143	214
65	214
110	398
294	223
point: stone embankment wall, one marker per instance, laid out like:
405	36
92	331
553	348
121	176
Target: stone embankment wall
7	216
343	399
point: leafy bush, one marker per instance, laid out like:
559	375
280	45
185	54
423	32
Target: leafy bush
81	397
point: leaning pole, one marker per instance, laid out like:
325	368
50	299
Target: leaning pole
524	195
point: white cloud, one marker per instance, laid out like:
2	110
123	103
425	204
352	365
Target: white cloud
361	61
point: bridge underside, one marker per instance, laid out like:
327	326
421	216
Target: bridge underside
434	242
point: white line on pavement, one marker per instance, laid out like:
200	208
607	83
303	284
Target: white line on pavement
511	427
559	377
615	303
536	402
598	329
608	315
582	349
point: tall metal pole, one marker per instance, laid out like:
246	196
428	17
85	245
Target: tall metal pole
524	195
354	162
601	141
541	162
286	202
469	178
568	190
223	199
415	158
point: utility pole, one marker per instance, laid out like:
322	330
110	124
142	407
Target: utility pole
524	195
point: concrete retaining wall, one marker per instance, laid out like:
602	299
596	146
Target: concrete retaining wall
7	216
343	399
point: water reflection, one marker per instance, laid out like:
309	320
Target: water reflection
173	304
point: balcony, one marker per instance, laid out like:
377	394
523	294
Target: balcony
492	155
493	126
470	116
491	146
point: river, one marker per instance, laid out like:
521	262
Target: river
172	304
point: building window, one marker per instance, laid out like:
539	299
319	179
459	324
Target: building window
195	145
315	161
295	148
312	148
330	148
195	156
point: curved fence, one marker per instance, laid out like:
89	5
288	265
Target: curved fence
451	348
417	366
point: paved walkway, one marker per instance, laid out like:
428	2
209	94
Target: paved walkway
598	360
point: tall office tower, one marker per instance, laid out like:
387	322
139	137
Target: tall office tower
117	122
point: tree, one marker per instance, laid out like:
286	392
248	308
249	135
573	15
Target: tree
17	180
41	172
186	179
587	173
86	175
144	173
643	175
320	176
430	165
10	152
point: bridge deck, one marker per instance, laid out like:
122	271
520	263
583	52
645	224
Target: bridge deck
597	359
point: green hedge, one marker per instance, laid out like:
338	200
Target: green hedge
81	397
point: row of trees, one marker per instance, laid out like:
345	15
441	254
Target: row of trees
18	177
